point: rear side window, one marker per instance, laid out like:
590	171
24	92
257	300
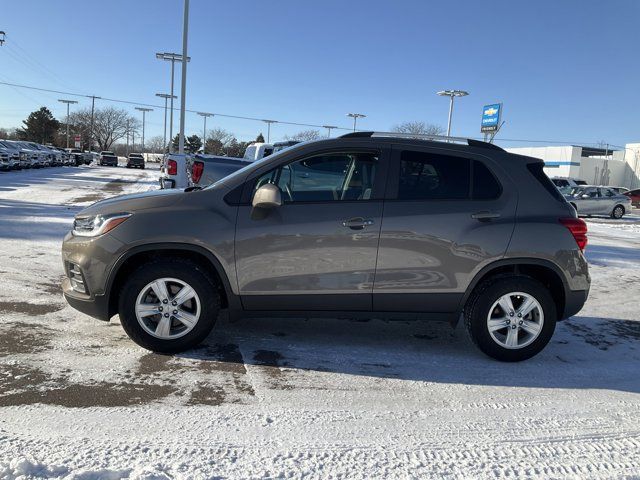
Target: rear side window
485	185
426	176
537	171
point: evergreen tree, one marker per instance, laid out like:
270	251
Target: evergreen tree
260	138
40	126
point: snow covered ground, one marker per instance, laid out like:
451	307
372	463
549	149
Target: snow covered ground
301	397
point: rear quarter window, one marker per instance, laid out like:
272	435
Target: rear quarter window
485	186
537	170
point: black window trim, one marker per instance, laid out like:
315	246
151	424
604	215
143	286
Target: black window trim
393	179
379	186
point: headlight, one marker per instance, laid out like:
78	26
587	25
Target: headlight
97	224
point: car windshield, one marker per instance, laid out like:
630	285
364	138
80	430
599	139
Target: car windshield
576	191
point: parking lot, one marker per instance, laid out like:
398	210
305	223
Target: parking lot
283	397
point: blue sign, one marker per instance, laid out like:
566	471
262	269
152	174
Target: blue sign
491	117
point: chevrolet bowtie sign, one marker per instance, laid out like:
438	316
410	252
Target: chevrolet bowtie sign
491	117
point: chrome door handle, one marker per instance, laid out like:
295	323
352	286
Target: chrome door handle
357	223
485	215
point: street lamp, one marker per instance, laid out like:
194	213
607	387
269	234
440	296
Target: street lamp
204	130
166	96
451	94
144	113
355	117
269	122
68	102
329	127
173	58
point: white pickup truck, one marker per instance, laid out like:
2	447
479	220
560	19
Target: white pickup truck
200	170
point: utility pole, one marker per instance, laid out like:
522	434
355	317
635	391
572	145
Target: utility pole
166	97
329	128
144	118
269	122
451	94
68	102
93	104
127	137
183	91
173	58
204	130
355	117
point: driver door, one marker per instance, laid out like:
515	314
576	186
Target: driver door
317	251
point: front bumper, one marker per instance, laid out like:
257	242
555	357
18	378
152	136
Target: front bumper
96	306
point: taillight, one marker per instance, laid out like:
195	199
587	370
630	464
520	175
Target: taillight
578	229
196	171
172	167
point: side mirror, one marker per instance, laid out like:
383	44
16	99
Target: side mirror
267	196
585	196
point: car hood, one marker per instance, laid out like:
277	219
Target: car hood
135	202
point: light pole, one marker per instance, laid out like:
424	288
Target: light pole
355	117
451	94
269	122
183	87
173	58
68	102
204	130
166	96
329	127
144	113
93	104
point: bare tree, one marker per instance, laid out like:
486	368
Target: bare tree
110	124
304	136
418	128
156	144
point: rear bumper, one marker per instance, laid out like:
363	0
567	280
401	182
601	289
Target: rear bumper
96	306
574	301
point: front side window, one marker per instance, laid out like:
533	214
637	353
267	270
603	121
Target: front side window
325	178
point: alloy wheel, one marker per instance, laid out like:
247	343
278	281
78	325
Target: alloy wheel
515	320
167	308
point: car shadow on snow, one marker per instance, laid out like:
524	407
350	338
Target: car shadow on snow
585	352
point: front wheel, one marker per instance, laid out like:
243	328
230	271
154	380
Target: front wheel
169	306
618	212
510	318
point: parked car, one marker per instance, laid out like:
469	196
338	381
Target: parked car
598	200
34	157
135	160
203	170
304	232
565	184
78	157
620	190
634	196
173	171
108	158
15	160
4	160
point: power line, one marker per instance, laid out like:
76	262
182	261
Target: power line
141	104
256	119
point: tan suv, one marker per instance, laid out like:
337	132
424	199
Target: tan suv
359	225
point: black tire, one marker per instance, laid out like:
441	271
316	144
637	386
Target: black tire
476	312
186	271
617	212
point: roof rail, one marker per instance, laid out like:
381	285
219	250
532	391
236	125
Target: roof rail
434	138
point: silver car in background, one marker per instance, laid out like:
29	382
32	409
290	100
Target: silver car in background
598	200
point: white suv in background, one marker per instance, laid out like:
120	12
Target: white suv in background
565	184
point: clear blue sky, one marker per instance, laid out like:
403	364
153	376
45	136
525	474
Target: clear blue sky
565	70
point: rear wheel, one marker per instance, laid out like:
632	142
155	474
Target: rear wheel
617	212
169	305
510	318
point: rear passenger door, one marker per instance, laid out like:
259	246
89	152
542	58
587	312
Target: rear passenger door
446	215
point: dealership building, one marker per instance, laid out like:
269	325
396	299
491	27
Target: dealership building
597	166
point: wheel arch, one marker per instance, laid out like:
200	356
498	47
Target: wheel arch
137	256
546	272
